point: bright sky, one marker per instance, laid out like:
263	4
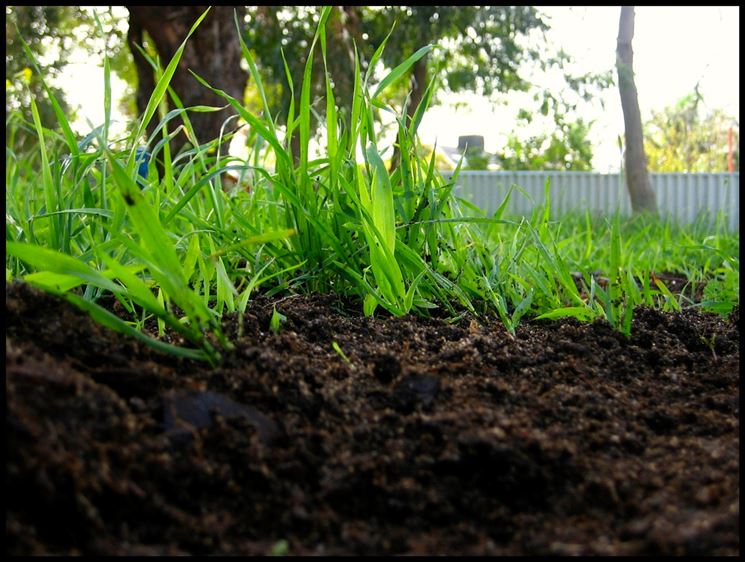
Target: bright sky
674	48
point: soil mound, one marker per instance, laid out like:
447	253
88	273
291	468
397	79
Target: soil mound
421	437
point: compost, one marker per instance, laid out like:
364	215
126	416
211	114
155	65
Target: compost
412	436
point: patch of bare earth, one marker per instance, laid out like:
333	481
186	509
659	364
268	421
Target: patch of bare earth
434	438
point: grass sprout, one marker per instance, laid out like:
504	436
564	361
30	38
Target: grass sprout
276	321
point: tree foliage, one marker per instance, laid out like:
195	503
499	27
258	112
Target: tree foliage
566	145
47	30
566	148
480	47
53	33
550	132
686	138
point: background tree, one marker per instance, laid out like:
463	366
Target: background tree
213	52
476	158
637	177
481	47
272	30
566	146
53	33
685	138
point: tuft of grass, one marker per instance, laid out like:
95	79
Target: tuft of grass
183	251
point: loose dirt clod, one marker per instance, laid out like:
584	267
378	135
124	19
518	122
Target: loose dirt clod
433	438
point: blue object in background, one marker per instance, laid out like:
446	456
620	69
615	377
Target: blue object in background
142	159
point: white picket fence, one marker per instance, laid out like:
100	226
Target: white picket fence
683	196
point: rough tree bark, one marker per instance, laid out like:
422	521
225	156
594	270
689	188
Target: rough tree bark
213	52
637	177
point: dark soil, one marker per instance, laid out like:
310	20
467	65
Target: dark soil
434	438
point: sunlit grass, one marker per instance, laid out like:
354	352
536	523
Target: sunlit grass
184	251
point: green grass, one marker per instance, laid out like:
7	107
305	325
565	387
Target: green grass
184	252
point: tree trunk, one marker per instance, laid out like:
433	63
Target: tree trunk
637	178
418	87
213	52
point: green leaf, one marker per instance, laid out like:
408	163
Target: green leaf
262	238
276	321
70	137
401	69
369	304
50	196
254	72
106	318
255	123
162	259
343	355
56	282
382	199
48	260
580	313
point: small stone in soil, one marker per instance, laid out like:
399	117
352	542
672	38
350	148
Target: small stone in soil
184	411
